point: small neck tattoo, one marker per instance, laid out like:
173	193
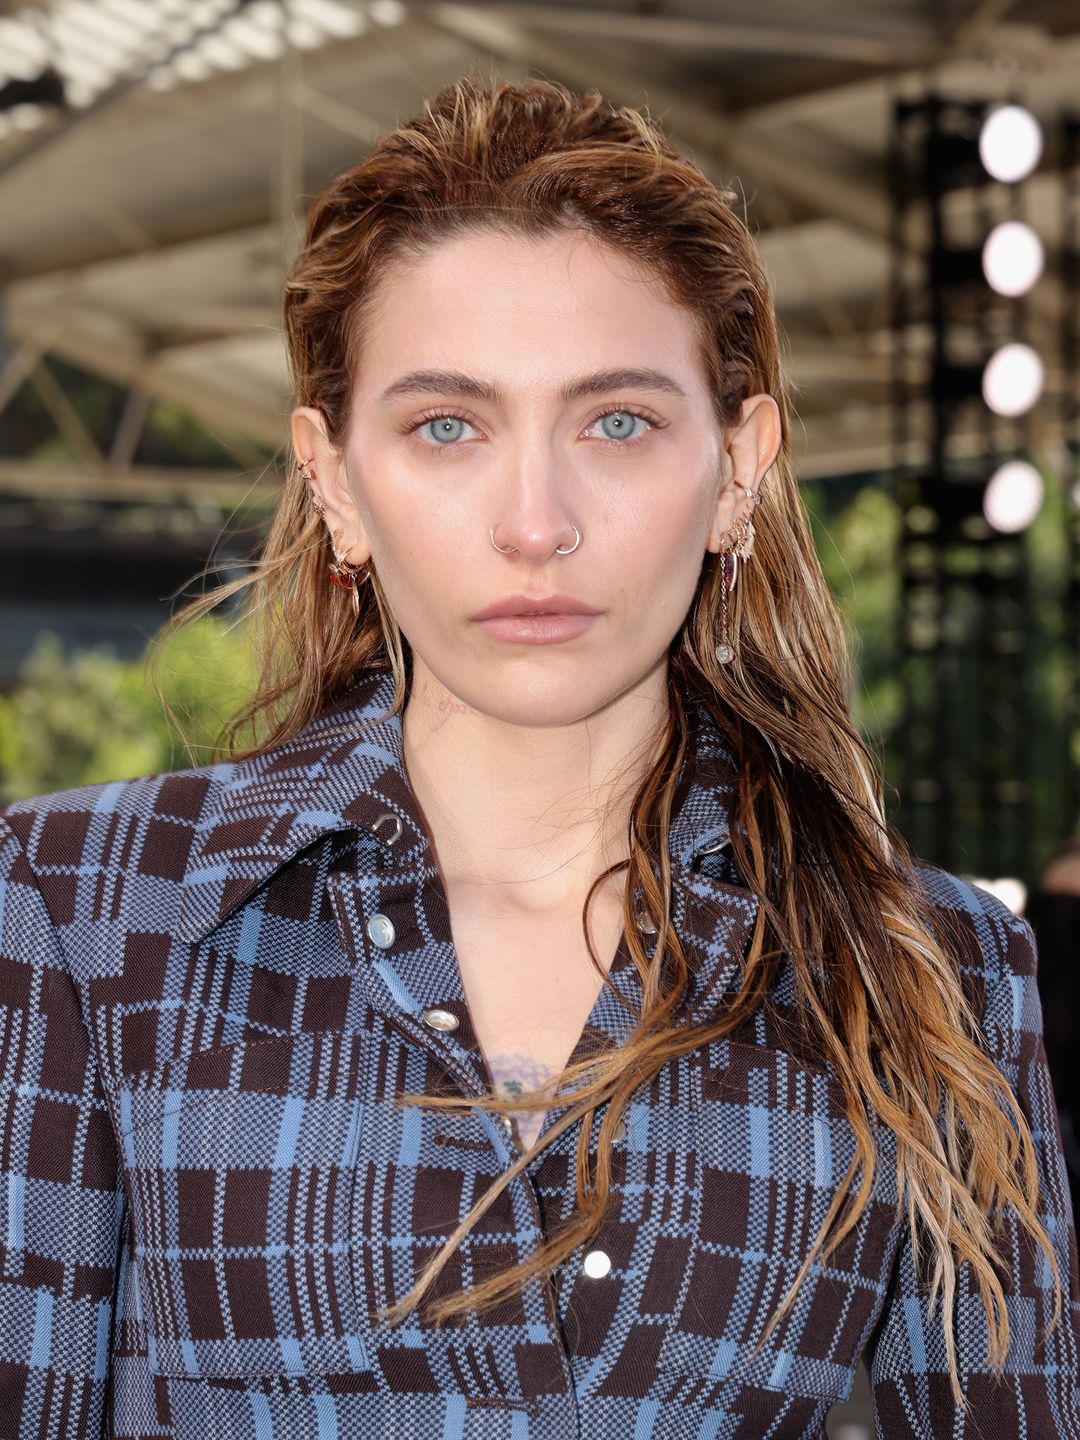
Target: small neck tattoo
514	1075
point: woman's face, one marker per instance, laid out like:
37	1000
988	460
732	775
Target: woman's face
521	431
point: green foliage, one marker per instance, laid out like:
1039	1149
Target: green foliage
856	544
77	719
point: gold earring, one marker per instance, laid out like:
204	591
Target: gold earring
345	574
740	548
303	469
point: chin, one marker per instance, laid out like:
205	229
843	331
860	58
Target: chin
549	696
541	706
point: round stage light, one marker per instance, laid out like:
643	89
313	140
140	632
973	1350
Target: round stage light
1012	258
1010	143
1013	496
1013	379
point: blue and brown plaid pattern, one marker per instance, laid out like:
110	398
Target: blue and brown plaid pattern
207	1189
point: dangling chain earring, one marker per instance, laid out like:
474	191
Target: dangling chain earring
740	546
341	572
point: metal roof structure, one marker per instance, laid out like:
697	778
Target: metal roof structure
148	216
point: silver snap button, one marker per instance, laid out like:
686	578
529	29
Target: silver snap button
395	826
380	929
596	1264
438	1019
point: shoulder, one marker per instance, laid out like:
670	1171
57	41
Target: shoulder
56	840
1000	941
996	954
71	812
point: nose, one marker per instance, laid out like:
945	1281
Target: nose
531	515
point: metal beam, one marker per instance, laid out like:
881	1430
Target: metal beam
721	146
20	363
68	420
107	348
125	439
49	135
143	484
860	44
967	28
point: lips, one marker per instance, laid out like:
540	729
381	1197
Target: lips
536	605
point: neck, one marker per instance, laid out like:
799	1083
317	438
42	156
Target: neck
532	814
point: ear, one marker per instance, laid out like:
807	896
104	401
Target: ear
750	447
326	466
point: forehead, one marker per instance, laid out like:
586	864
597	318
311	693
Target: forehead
526	312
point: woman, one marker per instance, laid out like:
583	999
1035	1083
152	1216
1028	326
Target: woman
1053	912
536	1030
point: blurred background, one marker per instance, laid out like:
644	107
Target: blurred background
912	173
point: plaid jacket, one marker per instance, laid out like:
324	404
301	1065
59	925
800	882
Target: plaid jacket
206	1188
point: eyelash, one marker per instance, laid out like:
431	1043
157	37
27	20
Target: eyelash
647	416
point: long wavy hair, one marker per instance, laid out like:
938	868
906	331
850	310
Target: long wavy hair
880	988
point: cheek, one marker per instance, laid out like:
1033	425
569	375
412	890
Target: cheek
427	564
410	526
661	546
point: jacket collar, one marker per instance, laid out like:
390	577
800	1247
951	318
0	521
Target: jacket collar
345	771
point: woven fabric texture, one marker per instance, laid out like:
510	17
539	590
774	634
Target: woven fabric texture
207	1189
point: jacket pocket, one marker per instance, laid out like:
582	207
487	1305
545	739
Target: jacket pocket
710	1358
240	1164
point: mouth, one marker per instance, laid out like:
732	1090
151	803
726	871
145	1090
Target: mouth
537	619
535	605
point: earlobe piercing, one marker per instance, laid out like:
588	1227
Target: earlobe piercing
345	574
342	572
740	547
737	544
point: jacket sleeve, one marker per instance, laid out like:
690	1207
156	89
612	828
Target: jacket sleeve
1035	1396
60	1189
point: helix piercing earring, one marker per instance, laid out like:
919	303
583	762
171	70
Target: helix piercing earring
302	468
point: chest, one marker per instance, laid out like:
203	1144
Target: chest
281	1195
531	987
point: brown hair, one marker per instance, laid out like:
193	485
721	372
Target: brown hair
532	158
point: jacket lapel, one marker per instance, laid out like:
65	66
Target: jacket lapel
345	772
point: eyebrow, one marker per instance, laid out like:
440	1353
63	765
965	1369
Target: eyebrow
602	382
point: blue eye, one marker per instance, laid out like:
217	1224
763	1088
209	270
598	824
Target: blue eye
443	429
619	424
